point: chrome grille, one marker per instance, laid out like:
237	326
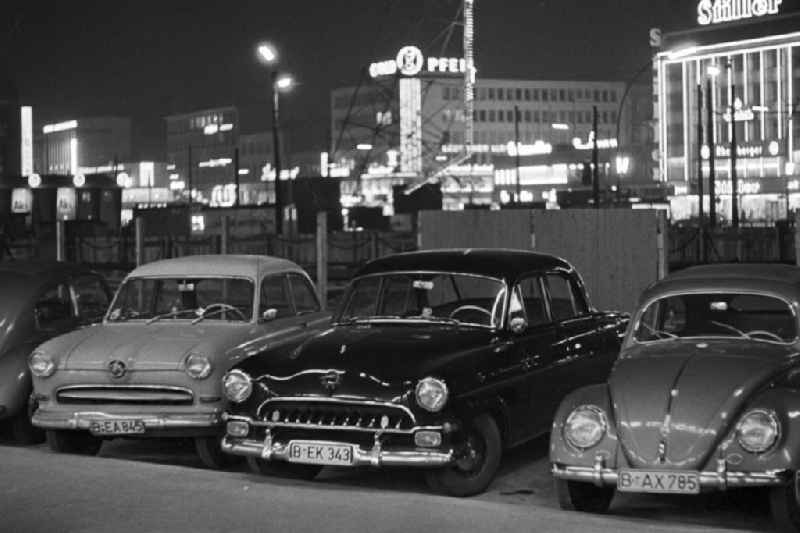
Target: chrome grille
125	395
324	414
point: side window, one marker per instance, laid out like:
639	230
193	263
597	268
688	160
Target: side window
274	295
305	301
561	297
533	300
90	296
54	308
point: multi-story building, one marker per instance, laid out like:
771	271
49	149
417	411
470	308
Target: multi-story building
10	147
734	71
64	147
201	148
408	124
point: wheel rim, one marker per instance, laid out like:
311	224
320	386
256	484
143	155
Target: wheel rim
472	455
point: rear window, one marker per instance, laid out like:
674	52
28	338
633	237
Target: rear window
754	316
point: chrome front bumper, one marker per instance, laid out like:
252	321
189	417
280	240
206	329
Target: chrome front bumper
721	479
47	419
375	456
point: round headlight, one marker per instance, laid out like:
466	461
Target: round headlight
41	365
431	394
585	426
237	386
198	366
758	430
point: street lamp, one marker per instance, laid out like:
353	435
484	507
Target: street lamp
279	82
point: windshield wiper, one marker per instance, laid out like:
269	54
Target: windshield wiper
366	319
171	314
732	328
660	333
217	308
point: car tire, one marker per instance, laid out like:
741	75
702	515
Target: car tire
476	463
282	469
784	507
584	497
211	454
77	442
23	432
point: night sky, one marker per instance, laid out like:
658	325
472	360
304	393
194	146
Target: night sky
148	59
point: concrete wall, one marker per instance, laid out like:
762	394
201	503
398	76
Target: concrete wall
618	252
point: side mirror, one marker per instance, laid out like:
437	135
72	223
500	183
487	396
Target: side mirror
518	325
269	315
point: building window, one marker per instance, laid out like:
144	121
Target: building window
509	94
545	95
614	96
446	93
501	94
536	95
571	95
482	115
605	117
605	96
491	94
519	94
501	116
527	95
527	115
510	116
562	95
596	95
491	113
553	95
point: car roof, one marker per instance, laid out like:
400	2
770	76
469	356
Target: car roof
251	266
769	277
499	263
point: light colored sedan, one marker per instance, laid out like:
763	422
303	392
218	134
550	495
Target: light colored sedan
153	366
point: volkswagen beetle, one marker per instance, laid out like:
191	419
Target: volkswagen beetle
39	301
705	395
438	360
152	367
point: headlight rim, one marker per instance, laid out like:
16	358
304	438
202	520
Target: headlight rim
208	369
601	414
772	415
445	389
249	388
51	360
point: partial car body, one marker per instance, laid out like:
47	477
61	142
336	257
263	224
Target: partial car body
153	367
703	396
436	359
39	300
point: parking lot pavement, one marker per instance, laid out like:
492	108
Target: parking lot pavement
524	480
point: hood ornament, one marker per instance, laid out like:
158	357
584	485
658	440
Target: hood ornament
117	369
331	380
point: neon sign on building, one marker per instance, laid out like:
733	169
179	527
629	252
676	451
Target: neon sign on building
411	62
719	11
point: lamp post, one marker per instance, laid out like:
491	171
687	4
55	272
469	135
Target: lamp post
278	83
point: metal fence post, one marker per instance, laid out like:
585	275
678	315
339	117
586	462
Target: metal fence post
223	247
322	257
61	241
139	227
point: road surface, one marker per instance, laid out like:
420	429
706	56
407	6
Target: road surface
159	485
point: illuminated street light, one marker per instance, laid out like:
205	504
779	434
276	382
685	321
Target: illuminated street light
34	180
79	180
284	83
267	53
713	71
560	126
364	147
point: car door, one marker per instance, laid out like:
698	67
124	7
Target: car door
286	326
90	297
534	347
578	352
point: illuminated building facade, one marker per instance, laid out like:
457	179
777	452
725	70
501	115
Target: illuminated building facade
64	147
407	124
736	71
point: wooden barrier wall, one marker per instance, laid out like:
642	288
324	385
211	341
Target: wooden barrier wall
618	252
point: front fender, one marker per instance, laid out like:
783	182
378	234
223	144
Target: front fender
785	403
563	453
15	382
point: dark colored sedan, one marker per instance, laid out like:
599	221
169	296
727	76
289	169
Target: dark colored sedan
704	397
39	301
439	360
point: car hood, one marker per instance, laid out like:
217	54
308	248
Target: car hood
685	396
371	359
143	346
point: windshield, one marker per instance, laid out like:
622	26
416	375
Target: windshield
183	298
747	316
443	296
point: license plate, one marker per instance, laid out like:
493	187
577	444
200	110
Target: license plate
117	427
320	453
659	482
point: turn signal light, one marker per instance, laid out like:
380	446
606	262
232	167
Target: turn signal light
428	439
236	428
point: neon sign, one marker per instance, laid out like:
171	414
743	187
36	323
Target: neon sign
410	62
718	11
